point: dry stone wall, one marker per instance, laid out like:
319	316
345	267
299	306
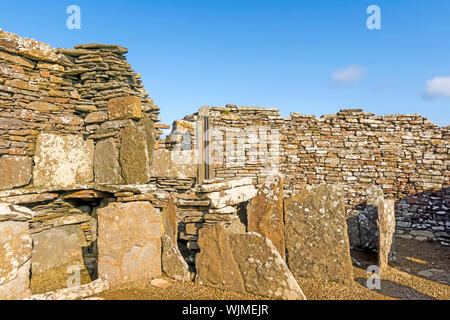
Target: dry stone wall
406	155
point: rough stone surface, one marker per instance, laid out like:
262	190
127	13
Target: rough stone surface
215	264
58	246
173	263
134	156
316	234
374	227
265	213
243	262
386	227
129	242
262	268
63	160
106	162
15	252
129	107
169	218
166	164
222	199
15	171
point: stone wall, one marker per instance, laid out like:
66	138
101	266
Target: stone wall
64	110
406	155
72	123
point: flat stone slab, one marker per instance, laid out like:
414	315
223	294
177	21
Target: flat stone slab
167	165
230	197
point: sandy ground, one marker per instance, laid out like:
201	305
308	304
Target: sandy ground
413	256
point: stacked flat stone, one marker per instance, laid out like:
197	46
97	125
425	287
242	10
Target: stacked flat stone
406	155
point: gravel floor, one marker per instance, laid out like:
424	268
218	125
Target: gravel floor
414	256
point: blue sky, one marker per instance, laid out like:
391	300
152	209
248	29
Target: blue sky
312	57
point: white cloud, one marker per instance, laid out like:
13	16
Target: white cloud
438	87
348	75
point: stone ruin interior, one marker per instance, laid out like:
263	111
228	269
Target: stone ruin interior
87	180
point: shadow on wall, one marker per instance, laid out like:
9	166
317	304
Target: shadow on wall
425	214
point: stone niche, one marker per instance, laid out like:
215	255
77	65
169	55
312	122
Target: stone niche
129	242
63	161
373	229
58	246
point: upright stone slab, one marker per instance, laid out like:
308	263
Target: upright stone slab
262	268
316	234
150	135
15	171
215	263
106	162
63	160
129	242
243	262
265	212
173	263
15	252
134	156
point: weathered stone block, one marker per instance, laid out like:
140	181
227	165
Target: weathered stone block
106	162
129	242
215	263
129	107
243	262
265	213
134	155
169	218
168	164
15	252
316	234
15	171
63	160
